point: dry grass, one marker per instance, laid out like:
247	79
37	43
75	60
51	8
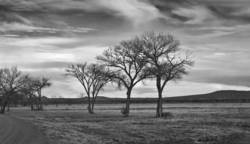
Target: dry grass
188	124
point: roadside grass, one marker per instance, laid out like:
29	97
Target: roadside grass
184	125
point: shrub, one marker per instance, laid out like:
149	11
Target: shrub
167	115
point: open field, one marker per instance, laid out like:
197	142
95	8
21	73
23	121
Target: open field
188	124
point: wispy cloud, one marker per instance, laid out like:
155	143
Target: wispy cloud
194	14
134	10
18	28
137	11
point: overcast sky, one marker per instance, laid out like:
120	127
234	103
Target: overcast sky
42	37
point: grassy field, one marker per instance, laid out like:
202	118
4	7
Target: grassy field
188	124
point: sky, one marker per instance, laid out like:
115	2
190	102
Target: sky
43	37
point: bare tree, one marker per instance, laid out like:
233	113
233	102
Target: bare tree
11	80
39	84
92	77
166	61
29	90
127	63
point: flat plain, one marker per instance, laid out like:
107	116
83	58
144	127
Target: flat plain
187	123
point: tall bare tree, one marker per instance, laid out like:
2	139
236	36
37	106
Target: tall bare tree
127	63
40	84
166	61
93	78
11	80
29	90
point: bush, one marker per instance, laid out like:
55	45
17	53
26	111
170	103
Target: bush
167	115
124	111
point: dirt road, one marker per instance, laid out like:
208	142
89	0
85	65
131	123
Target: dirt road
15	131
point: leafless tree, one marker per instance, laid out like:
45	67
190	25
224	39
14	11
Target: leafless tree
127	63
92	77
29	90
11	80
40	84
166	61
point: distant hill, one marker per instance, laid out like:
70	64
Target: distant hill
226	96
218	96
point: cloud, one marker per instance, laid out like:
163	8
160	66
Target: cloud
14	43
46	65
231	13
15	27
220	77
33	53
206	12
135	10
243	12
28	18
56	15
195	14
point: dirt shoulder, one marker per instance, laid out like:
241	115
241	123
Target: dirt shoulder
15	131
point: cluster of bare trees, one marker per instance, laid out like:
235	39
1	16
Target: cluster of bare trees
93	78
152	55
14	84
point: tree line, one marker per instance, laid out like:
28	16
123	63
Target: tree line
14	85
154	56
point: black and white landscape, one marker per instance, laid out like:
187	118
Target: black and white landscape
124	71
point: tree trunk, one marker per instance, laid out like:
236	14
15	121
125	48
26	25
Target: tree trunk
31	102
93	103
4	104
159	109
8	107
40	105
90	110
92	107
126	110
32	107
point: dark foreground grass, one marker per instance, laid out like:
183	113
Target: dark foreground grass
185	125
